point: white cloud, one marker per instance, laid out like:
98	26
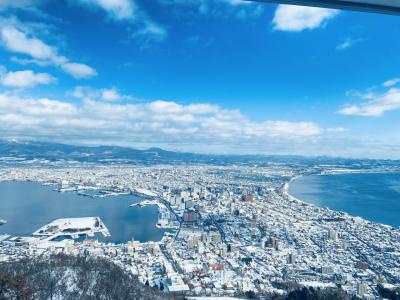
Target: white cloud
117	9
79	71
88	93
138	23
143	28
17	41
149	33
347	43
110	95
299	18
26	79
336	129
30	61
83	93
220	8
375	104
114	95
391	82
158	122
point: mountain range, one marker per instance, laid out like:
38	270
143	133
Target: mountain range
35	150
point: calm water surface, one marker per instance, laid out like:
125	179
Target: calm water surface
375	197
29	206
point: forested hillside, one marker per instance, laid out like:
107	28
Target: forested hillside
69	277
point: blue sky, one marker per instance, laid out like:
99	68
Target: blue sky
214	76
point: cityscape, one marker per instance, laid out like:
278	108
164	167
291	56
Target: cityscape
231	229
199	149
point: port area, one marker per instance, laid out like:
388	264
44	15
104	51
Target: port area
148	202
166	219
72	227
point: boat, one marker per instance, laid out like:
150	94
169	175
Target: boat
2	222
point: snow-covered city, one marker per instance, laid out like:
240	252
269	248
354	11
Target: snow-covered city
231	230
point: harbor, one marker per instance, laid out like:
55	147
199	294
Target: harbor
28	206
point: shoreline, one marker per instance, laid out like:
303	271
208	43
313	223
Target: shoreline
345	214
355	171
286	188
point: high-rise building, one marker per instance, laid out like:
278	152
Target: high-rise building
223	250
292	258
333	235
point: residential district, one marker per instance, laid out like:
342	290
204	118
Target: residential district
232	229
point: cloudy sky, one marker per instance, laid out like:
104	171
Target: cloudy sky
213	76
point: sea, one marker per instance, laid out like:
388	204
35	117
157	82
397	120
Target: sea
372	196
28	206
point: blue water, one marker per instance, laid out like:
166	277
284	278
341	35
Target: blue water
29	206
375	197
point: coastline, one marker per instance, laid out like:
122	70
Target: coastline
286	188
341	213
160	208
345	214
357	171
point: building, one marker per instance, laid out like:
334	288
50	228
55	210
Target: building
292	258
133	246
333	235
215	237
223	250
216	267
361	289
190	216
247	198
326	270
269	243
189	204
362	265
